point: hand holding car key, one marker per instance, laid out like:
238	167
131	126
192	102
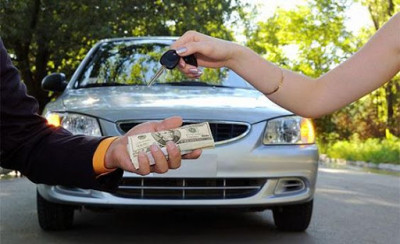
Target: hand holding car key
169	60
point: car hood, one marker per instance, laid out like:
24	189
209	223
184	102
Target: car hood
158	102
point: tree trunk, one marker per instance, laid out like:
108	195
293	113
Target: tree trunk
389	102
42	57
22	53
388	88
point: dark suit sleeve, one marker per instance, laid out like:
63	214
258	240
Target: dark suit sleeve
43	153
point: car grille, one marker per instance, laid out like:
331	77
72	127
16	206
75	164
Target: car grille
189	188
221	131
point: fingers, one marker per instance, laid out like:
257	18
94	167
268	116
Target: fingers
189	36
210	52
174	155
142	128
203	47
120	155
190	71
193	154
144	164
166	124
181	63
161	165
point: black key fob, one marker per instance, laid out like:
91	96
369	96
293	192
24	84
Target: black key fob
191	59
170	59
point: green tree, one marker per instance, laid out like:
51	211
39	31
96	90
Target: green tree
376	114
381	11
47	36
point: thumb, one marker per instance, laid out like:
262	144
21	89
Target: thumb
170	123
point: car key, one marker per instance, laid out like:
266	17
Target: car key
169	60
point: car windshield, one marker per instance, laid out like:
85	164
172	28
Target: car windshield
134	62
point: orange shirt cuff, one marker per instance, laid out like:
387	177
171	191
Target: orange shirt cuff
99	156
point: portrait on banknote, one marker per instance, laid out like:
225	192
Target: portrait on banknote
162	137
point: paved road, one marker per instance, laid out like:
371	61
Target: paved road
350	207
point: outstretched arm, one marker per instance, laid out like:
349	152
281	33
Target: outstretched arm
368	69
54	156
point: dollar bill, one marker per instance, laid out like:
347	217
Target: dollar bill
187	138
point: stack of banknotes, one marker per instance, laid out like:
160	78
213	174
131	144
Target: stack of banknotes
187	138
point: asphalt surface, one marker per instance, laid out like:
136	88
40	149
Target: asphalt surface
349	207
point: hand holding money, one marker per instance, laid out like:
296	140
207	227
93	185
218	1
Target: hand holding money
117	155
187	138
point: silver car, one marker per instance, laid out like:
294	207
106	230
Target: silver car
265	157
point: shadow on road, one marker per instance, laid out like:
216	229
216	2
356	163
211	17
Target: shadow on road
174	226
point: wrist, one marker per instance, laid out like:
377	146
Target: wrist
103	151
237	53
109	162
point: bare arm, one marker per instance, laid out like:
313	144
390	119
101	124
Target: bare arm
368	69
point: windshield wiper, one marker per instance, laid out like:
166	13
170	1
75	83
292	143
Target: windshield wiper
104	84
191	83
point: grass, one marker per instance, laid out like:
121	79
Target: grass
372	150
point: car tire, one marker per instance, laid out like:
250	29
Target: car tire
293	217
54	216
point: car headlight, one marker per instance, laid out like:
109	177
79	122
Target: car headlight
289	130
77	124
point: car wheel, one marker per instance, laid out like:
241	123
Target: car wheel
293	217
53	216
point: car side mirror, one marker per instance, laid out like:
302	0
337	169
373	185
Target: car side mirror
56	82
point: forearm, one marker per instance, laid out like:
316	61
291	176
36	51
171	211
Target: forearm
44	154
297	92
371	67
55	157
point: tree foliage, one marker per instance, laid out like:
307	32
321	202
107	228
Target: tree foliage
376	114
47	36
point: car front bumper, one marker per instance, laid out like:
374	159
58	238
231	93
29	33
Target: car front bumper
275	166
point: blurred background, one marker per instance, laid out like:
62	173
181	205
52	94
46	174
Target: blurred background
307	36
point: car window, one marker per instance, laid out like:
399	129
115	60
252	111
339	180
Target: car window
134	62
